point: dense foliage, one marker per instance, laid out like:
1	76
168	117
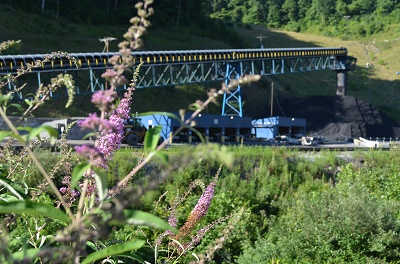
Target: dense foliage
333	18
273	205
169	13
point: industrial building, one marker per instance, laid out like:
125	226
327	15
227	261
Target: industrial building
272	127
213	128
217	128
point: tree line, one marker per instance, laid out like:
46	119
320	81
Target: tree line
176	12
332	17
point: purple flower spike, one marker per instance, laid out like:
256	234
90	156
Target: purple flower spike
110	140
104	99
198	212
93	122
91	153
204	202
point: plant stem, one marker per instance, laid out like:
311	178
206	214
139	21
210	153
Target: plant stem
38	164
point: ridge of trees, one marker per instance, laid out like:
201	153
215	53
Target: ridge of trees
356	18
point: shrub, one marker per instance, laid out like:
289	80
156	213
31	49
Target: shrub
339	223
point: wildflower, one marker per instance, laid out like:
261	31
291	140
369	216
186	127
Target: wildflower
110	140
69	194
115	77
109	73
94	122
92	153
198	212
104	99
172	221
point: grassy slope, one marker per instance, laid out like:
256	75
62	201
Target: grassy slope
40	35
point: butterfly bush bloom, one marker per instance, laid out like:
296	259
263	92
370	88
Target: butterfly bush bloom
198	212
113	77
104	99
111	130
92	154
69	194
111	139
94	122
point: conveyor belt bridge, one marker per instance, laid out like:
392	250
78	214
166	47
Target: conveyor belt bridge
168	68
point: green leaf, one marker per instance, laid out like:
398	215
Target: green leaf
137	217
13	187
114	250
25	253
5	97
151	138
8	198
198	134
194	106
101	183
53	133
91	245
18	106
28	207
163	156
4	134
77	173
28	102
89	135
132	257
28	129
21	139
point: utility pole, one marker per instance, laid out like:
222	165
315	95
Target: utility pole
261	37
43	2
106	41
272	98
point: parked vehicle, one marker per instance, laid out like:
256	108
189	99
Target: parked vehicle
134	131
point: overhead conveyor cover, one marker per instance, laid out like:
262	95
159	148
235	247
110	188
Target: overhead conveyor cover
11	63
168	68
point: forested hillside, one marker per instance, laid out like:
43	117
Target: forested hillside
356	18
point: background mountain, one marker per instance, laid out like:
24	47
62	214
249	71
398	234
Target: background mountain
368	29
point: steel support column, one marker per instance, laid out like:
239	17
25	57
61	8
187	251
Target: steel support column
232	101
341	77
94	82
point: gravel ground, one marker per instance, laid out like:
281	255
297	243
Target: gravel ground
342	117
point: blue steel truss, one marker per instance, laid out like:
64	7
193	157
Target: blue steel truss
168	68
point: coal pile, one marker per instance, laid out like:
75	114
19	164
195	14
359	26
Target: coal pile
341	117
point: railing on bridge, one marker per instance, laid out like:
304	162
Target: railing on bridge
167	68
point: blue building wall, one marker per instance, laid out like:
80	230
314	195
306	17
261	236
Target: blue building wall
271	127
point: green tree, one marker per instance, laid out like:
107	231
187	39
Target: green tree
237	10
385	6
303	8
291	9
362	7
255	12
342	8
323	9
274	17
218	5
